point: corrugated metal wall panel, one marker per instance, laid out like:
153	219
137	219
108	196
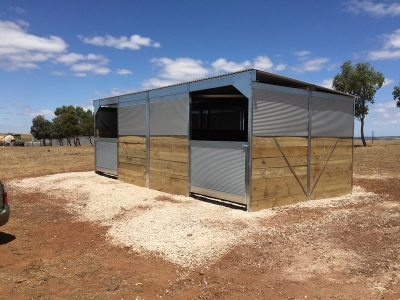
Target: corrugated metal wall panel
132	120
221	170
107	155
169	117
332	118
279	114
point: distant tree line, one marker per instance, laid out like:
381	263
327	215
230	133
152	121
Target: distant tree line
70	123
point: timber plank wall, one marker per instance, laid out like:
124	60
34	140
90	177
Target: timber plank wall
273	182
336	179
169	164
132	159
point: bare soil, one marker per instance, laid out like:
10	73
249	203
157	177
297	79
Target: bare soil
344	252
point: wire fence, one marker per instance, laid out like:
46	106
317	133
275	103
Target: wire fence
81	141
391	137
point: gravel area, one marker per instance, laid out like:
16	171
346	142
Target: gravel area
180	229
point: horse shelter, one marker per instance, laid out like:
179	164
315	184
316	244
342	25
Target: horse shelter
250	137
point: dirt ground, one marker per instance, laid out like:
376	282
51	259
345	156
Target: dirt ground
350	252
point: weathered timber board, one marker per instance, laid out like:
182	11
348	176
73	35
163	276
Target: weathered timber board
169	164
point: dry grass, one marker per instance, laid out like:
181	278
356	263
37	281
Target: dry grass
19	162
382	158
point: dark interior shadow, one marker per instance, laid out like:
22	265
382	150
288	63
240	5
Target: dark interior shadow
219	202
5	238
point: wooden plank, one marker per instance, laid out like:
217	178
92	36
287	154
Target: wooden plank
164	178
330	142
156	164
277	192
275	202
130	146
132	139
132	174
173	147
170	156
176	190
132	180
258	184
321	159
129	166
132	160
263	141
175	139
272	162
278	172
274	151
318	150
131	153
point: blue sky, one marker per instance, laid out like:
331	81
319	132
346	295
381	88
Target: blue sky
55	53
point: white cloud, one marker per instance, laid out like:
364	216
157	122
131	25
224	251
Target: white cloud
80	75
18	9
387	82
135	42
390	49
176	70
262	63
312	65
280	67
58	73
326	83
88	67
43	112
18	49
221	65
187	69
375	9
302	54
384	114
123	72
70	58
116	92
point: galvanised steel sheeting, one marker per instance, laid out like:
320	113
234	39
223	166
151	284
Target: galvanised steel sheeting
132	120
169	117
332	118
107	155
279	113
220	169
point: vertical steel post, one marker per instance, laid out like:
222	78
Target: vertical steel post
189	137
249	150
118	136
148	141
352	148
308	194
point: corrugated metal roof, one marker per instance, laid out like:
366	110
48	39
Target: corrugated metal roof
261	76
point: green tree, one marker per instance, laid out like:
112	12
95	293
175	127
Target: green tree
57	131
41	128
68	120
360	80
73	122
396	94
87	125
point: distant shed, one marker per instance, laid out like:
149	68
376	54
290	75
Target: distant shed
250	137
